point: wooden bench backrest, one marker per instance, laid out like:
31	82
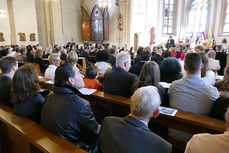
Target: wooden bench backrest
184	120
21	135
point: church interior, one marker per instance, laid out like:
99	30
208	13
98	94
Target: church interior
114	76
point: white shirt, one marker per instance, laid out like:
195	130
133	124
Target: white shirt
210	77
50	72
102	67
213	64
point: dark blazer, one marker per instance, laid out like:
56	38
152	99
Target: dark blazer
119	82
112	60
30	107
29	57
85	54
222	57
129	135
137	68
69	116
41	63
220	107
157	58
5	86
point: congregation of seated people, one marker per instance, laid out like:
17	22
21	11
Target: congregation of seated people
177	77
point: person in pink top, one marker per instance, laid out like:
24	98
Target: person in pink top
179	54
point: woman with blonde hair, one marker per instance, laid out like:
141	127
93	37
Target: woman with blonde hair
54	60
27	101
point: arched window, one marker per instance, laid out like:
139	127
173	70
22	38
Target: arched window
197	17
226	19
168	16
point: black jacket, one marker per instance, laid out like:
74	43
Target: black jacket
69	116
222	57
5	86
220	107
119	82
157	58
41	63
129	135
30	107
137	68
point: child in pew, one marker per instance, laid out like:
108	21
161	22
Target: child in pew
90	80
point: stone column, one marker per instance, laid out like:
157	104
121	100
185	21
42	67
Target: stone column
12	22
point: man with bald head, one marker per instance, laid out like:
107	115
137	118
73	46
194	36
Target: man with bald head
131	133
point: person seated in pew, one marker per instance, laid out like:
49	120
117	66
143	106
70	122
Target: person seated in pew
54	60
72	58
131	133
170	70
223	85
191	93
65	113
206	74
90	80
220	107
192	87
212	63
102	64
26	97
119	81
150	75
210	143
38	59
8	66
137	67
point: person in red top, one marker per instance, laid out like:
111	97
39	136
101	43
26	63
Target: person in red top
90	80
179	54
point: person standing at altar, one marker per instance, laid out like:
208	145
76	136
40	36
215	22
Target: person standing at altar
170	42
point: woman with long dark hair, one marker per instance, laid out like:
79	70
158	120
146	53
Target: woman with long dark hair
27	101
150	76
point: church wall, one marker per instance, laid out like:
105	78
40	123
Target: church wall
25	20
4	23
71	17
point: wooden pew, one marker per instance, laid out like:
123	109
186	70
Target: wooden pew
35	64
21	135
184	121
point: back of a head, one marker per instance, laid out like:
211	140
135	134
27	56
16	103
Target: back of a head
145	102
219	48
150	75
139	50
193	62
72	57
199	48
112	50
211	54
145	55
7	63
147	49
25	83
170	70
102	55
38	53
226	73
121	58
62	73
91	72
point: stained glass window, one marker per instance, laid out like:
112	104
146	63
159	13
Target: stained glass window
226	21
197	17
168	17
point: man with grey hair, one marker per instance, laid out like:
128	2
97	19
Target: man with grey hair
131	133
210	143
119	81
